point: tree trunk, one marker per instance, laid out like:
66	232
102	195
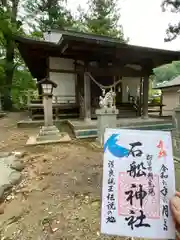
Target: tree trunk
9	70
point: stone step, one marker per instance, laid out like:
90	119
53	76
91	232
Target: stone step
51	130
29	123
128	114
77	125
60	116
145	123
81	125
46	137
163	127
92	133
85	133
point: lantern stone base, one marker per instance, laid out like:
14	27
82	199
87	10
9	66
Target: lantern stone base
48	135
47	131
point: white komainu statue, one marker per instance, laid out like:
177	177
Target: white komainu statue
107	99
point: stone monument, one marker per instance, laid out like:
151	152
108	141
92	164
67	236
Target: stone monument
106	115
49	133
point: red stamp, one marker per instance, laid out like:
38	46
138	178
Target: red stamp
133	194
162	152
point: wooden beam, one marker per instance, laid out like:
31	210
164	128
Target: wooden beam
140	96
119	53
122	71
63	71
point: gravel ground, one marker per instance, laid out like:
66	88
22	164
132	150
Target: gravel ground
60	194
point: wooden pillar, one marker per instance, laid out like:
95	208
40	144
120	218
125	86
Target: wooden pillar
80	91
115	79
87	98
140	96
145	96
76	83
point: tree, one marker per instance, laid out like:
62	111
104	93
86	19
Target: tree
22	82
14	77
48	13
8	26
174	29
166	72
103	18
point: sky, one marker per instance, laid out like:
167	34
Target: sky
143	22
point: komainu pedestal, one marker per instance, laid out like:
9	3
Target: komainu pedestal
106	118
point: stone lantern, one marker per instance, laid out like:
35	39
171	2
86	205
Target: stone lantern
49	133
47	89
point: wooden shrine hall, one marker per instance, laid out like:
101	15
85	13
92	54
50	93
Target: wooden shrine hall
66	57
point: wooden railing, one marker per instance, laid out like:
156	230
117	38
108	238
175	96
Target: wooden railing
62	99
156	108
63	105
56	99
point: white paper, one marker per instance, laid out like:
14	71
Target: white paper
138	186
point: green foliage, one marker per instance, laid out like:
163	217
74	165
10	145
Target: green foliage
22	82
156	100
11	77
41	15
166	72
153	93
174	29
103	18
48	13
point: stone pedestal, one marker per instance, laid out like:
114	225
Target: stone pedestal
106	118
176	118
48	133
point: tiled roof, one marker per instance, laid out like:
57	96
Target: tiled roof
174	82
